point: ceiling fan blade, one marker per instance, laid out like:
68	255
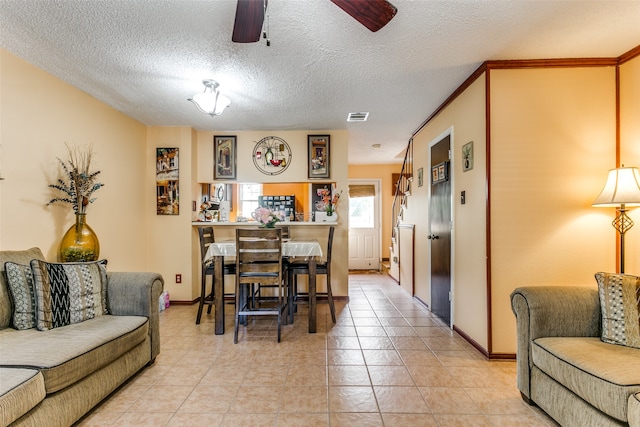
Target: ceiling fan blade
249	18
373	14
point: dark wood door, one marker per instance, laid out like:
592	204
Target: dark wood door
440	230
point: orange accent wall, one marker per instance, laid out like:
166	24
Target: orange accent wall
300	190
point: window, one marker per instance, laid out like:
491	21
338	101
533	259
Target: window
249	198
361	206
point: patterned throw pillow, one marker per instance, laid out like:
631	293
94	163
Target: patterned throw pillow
20	281
620	306
68	293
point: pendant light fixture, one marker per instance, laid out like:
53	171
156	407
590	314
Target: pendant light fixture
211	101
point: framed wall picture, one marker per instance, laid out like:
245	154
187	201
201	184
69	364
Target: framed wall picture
467	156
318	156
224	157
167	180
440	172
420	177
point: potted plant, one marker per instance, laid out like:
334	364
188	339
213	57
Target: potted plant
78	183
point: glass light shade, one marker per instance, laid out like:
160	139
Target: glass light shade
622	187
210	101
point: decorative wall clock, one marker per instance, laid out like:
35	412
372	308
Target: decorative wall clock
272	155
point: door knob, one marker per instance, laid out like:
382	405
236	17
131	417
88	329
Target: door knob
433	236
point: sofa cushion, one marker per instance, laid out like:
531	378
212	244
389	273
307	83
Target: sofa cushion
634	410
19	257
67	354
68	293
620	307
20	282
20	391
602	374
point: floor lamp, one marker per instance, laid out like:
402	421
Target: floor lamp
621	191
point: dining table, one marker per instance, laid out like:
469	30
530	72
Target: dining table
218	251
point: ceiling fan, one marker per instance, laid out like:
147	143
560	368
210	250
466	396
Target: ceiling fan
373	14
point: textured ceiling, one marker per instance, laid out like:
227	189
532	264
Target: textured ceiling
146	57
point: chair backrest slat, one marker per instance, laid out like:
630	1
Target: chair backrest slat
206	237
258	255
285	231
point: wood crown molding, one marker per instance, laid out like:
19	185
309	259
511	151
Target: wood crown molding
530	63
627	56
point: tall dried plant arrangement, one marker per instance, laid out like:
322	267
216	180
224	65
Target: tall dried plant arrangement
79	182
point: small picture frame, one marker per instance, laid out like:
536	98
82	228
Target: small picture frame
467	156
318	155
224	157
440	172
420	177
167	181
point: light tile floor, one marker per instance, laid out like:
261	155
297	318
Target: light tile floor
387	362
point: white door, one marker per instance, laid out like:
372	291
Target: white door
364	224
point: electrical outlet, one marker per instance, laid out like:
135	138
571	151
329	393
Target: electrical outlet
178	278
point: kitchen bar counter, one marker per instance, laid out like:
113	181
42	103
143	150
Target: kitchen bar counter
254	223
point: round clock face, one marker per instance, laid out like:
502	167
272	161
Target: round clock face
272	155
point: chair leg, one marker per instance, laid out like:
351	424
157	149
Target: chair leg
289	288
237	317
210	305
279	322
280	309
203	294
330	298
295	293
213	296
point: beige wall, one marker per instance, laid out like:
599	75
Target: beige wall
552	142
630	149
464	120
383	173
169	246
39	114
296	172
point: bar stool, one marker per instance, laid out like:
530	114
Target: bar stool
206	237
257	292
259	260
294	268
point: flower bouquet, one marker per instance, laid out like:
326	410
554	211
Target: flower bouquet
267	217
333	203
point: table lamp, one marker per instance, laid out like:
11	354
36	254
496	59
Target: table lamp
621	190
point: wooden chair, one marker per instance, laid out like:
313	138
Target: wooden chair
206	237
285	230
295	268
257	293
259	261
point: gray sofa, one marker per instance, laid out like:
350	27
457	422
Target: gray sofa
565	368
54	377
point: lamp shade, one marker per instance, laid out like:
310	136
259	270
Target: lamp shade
622	188
210	101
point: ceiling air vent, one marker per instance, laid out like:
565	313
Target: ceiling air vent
357	117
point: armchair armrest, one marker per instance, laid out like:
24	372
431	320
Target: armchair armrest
551	311
136	294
